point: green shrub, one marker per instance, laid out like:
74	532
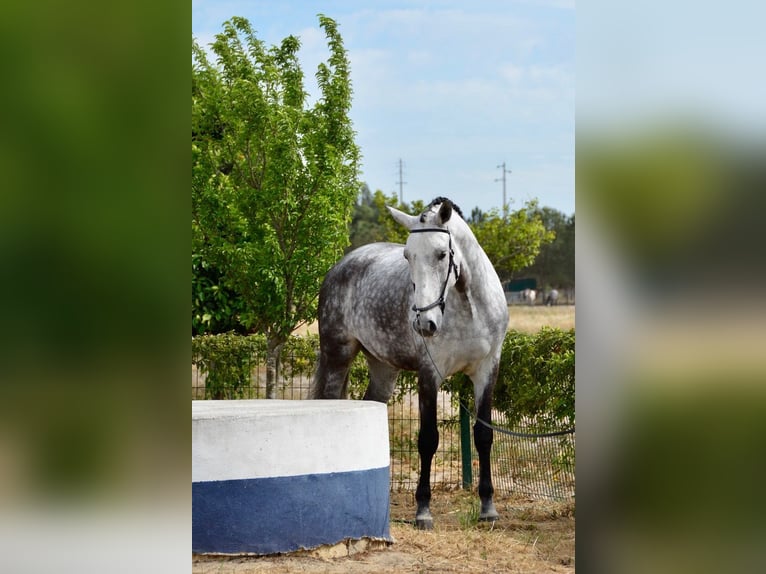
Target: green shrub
227	359
536	380
298	357
535	384
359	378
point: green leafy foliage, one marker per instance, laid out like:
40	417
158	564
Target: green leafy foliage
359	378
227	360
302	354
512	239
393	231
554	266
273	180
535	385
372	221
536	379
215	307
365	225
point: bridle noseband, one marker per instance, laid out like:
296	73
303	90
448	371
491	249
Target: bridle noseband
440	302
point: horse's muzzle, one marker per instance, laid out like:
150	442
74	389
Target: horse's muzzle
426	328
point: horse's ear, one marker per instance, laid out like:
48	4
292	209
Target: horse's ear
404	219
445	211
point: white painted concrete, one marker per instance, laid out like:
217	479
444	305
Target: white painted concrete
248	439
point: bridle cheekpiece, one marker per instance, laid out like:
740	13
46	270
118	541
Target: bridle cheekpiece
440	302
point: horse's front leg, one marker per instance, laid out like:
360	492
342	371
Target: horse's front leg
482	437
428	442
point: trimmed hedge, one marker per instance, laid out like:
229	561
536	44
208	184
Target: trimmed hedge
228	359
536	380
535	385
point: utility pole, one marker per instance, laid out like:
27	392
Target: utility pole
400	182
503	180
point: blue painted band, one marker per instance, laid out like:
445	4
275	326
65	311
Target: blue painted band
283	514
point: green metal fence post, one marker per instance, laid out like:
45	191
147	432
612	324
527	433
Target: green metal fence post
465	442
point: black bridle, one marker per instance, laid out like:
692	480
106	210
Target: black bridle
440	301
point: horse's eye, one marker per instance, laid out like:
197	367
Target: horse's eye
442	255
406	254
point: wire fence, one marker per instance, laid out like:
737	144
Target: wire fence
535	467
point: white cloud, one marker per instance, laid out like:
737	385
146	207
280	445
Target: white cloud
512	73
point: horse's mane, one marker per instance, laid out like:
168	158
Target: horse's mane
440	200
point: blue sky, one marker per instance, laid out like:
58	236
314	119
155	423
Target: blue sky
453	89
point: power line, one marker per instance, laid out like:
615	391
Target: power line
502	165
400	182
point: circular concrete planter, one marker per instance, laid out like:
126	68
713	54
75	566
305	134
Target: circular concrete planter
274	476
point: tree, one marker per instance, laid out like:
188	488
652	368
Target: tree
393	231
273	181
511	240
215	307
372	221
366	226
555	265
477	216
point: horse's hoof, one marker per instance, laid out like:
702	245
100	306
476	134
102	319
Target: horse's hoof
423	519
424	523
488	512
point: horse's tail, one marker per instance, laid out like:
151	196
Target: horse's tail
331	378
319	388
316	389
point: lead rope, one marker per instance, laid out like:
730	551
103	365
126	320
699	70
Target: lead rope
474	418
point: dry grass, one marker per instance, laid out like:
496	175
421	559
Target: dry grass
522	318
530	319
531	537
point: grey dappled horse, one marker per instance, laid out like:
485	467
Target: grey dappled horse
435	306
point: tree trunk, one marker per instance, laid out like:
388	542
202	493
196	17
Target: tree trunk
273	349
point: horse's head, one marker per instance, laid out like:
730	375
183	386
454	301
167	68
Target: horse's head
434	261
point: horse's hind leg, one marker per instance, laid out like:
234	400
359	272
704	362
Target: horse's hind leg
331	378
382	380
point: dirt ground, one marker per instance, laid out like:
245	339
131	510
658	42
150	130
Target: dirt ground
531	537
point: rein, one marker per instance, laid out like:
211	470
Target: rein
476	419
440	302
